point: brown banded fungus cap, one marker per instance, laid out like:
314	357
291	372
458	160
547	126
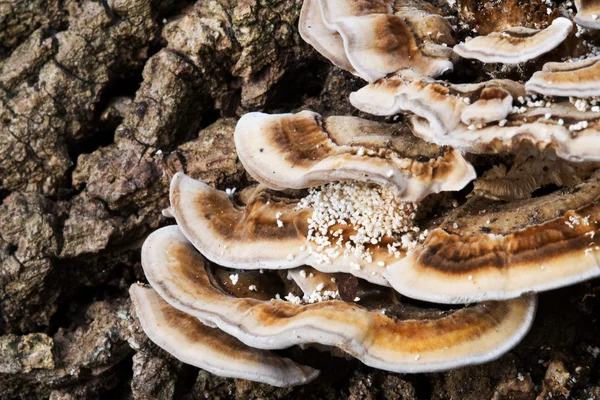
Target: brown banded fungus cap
303	150
560	128
515	45
577	79
211	349
465	336
378	37
441	103
439	111
588	12
490	251
269	232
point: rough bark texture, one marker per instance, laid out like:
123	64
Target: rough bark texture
101	102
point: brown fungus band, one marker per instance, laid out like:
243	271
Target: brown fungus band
374	38
517	44
209	348
490	250
304	150
442	113
326	229
465	336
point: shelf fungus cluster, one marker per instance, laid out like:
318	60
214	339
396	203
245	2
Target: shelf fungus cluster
498	115
358	230
374	38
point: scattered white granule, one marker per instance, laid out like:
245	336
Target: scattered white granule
230	192
234	278
252	288
417	357
320	286
302	273
374	213
357	299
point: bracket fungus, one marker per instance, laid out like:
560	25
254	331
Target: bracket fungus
517	44
465	336
304	150
493	251
441	103
576	79
374	38
572	134
587	13
360	225
211	349
440	112
237	237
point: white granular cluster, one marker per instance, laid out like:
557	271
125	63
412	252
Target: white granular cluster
372	211
532	101
539	101
585	104
316	296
